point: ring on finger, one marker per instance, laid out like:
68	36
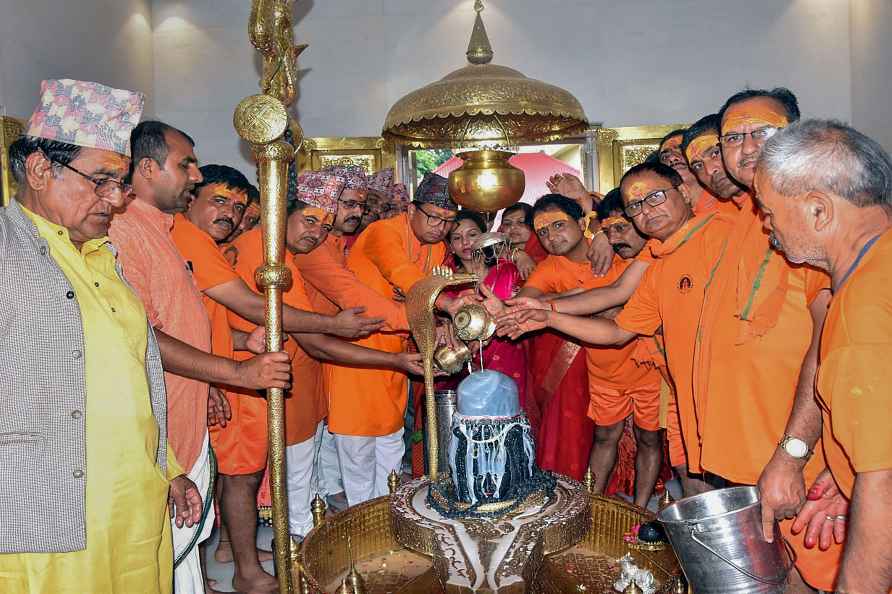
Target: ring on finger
830	518
840	518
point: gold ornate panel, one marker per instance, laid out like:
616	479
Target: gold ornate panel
619	149
10	130
369	152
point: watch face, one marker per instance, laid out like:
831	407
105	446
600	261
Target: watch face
796	448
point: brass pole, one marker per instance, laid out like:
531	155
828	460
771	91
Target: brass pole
262	120
273	277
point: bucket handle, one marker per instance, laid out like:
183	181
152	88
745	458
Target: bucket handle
739	568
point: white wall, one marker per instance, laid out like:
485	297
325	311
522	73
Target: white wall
630	62
872	69
108	41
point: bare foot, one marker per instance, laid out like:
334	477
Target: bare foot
255	583
223	554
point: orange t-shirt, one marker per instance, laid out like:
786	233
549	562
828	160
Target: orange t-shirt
613	367
670	296
756	328
159	275
304	404
209	269
333	287
855	376
372	402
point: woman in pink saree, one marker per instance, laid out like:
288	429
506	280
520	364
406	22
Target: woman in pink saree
486	254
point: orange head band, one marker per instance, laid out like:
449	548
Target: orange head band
325	217
613	221
544	219
700	145
755	117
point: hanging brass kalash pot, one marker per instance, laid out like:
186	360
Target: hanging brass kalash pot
387	544
484	105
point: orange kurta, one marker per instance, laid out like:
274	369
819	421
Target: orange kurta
372	402
755	330
706	203
670	296
854	377
156	270
304	405
613	372
209	269
332	286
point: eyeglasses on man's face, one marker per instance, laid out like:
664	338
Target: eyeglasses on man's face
655	198
103	186
434	220
734	139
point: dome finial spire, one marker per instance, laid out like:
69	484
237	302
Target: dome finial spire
479	49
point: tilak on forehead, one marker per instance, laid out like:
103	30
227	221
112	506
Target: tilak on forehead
755	115
700	145
638	190
610	221
672	142
544	219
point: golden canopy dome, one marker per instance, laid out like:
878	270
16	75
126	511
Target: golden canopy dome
483	104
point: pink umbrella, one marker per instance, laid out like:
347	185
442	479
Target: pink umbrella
537	168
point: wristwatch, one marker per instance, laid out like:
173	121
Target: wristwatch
795	447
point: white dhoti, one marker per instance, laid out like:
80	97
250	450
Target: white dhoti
366	463
187	575
328	469
300	463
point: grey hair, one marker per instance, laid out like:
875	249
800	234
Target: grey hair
828	156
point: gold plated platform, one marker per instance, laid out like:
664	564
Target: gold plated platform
388	567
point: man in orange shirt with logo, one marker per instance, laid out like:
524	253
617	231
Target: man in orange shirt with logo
826	193
756	358
670	294
617	384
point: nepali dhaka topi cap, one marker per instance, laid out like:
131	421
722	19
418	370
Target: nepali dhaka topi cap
86	114
320	189
434	189
354	175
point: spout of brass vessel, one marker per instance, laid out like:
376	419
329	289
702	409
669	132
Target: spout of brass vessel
420	313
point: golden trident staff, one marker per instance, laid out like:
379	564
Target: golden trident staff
262	120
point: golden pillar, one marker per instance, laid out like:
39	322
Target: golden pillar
262	120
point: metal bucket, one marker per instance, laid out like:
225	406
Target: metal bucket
446	402
717	537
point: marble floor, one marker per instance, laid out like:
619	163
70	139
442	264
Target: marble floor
222	572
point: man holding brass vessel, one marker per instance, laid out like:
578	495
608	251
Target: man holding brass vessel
367	406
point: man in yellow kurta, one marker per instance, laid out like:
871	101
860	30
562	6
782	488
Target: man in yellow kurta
86	480
366	406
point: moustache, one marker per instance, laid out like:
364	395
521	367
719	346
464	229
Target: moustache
621	246
228	222
353	220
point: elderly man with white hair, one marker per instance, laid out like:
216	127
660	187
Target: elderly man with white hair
826	192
